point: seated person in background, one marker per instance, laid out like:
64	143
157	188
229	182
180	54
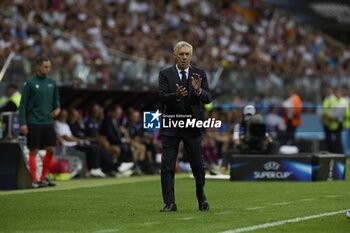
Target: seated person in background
65	136
93	127
142	146
116	134
275	124
10	102
256	140
250	136
210	152
222	135
77	127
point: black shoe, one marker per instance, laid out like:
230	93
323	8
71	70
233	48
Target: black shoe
112	173
169	208
204	206
49	182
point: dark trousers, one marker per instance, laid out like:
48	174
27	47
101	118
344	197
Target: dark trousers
328	139
107	164
126	153
92	156
192	144
333	140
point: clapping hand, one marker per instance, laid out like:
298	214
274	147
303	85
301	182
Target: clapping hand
181	91
196	82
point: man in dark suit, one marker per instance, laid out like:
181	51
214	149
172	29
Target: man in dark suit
115	132
183	90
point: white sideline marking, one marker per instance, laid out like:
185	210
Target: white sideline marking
332	196
224	213
106	231
187	218
255	208
145	224
307	199
278	223
281	203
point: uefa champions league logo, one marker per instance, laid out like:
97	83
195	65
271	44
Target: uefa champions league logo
272	170
272	165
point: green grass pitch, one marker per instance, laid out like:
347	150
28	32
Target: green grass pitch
132	205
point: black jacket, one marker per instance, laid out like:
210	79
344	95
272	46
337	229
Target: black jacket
168	78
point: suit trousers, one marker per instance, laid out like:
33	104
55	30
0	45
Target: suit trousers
192	144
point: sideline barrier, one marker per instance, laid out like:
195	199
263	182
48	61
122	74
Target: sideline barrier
13	171
296	167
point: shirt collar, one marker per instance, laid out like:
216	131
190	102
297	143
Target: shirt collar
179	70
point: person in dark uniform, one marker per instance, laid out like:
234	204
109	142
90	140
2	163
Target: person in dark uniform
183	90
39	105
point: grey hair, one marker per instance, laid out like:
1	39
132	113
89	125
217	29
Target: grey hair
181	44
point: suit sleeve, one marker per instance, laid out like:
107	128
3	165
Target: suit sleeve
24	104
205	96
165	95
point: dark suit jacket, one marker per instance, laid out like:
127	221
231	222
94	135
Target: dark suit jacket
168	78
111	131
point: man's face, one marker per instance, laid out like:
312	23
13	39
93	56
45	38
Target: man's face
96	110
117	113
44	68
183	57
74	116
135	116
63	116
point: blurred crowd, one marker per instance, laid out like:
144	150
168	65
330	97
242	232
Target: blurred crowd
126	42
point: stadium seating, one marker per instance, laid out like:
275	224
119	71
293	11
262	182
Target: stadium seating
232	40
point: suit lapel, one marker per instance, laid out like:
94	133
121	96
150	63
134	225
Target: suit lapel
190	72
177	78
